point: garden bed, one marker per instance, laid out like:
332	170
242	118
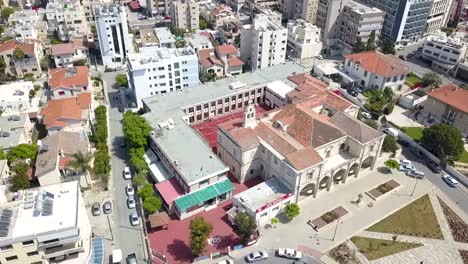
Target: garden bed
379	248
343	255
415	219
382	189
458	227
328	217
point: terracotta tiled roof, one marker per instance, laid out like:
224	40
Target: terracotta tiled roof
234	61
27	48
78	43
355	128
301	78
204	54
267	133
452	95
226	49
62	78
64	162
304	158
245	137
379	63
69	108
62	49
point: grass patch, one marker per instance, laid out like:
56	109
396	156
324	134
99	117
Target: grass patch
412	80
464	157
415	219
413	132
378	248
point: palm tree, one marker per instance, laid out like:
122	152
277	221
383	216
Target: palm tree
80	162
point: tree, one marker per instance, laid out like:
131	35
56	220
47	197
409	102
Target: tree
292	210
22	151
2	154
44	63
100	128
80	162
146	191
444	141
392	164
20	180
81	62
211	76
389	108
202	24
2	29
2	64
121	80
93	29
152	204
136	130
199	232
237	40
388	94
140	178
102	161
245	226
274	221
7	12
389	144
431	79
359	46
370	45
18	54
388	47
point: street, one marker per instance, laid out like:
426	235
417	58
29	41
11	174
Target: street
273	259
458	195
127	237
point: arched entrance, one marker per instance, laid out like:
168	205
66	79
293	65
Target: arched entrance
353	170
324	182
308	190
338	177
367	162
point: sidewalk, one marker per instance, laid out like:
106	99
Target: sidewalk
297	233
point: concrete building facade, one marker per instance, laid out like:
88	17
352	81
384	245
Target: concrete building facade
185	14
444	52
67	19
438	15
303	39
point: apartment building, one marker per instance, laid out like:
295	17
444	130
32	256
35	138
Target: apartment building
444	53
48	224
438	15
192	177
217	14
20	65
375	70
156	71
158	7
449	105
303	39
358	20
112	31
229	34
405	21
305	9
263	43
89	7
185	14
67	19
328	14
66	54
221	61
28	24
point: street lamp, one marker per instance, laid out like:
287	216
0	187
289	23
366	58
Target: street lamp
415	184
336	228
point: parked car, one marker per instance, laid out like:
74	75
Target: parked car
391	131
406	162
352	92
132	259
434	167
289	253
116	256
129	190
256	256
134	219
415	174
126	173
227	261
96	209
107	207
366	115
357	89
450	180
319	57
131	202
406	167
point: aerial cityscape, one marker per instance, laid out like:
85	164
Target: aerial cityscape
234	131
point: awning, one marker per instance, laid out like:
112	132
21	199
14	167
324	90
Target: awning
203	195
158	219
134	5
169	190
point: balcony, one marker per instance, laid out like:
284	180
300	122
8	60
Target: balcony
62	251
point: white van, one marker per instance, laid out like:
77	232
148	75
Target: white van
391	131
116	256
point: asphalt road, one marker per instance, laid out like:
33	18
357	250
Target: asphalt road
128	238
459	195
273	259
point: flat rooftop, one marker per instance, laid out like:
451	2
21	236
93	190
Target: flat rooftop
280	88
15	91
179	141
363	9
164	35
58	211
11	129
153	54
262	194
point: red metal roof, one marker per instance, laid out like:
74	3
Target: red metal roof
170	190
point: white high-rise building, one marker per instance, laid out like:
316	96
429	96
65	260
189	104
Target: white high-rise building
263	43
112	31
303	39
185	14
156	71
438	15
67	18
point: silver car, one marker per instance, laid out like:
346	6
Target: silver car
134	219
415	174
131	202
256	256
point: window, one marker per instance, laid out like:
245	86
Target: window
34	253
5	248
365	73
161	69
61	93
328	153
371	148
28	243
11	258
264	214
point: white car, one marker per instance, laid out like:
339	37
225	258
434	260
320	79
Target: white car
227	261
450	181
256	256
406	162
366	115
127	174
391	132
415	174
406	167
131	202
134	219
289	253
129	190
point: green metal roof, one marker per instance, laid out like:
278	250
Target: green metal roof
203	195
